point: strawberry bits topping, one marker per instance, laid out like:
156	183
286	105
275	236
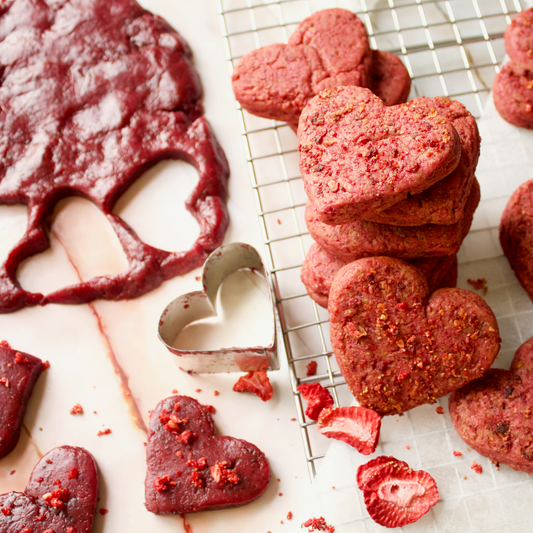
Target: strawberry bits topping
57	498
163	483
256	383
222	474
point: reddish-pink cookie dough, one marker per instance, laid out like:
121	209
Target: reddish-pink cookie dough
519	38
19	372
397	345
362	239
93	94
190	469
444	202
358	156
493	413
320	267
389	79
516	234
60	496
512	91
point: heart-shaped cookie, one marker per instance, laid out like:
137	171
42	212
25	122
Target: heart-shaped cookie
18	373
60	495
493	413
516	234
358	156
327	49
190	469
399	346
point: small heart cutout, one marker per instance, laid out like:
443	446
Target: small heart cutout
60	495
493	413
358	156
190	469
18	374
399	346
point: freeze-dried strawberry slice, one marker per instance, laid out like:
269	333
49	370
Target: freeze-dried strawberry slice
257	383
394	494
357	426
317	398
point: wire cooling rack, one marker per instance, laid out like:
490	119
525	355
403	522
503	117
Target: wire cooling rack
451	48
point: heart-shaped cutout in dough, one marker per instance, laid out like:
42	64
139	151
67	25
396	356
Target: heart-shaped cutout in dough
399	346
190	469
493	413
60	495
358	156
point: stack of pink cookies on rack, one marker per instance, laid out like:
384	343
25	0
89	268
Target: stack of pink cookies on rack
393	181
513	85
328	49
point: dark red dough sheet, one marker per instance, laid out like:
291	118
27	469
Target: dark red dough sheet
93	94
18	374
60	496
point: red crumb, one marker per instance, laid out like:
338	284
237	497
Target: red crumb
5	382
210	408
185	437
216	393
318	524
6	511
311	368
104	432
279	221
256	383
163	483
174	391
439	410
56	498
457	454
103	511
289	515
71	530
222	474
198	390
477	468
293	419
197	479
19	359
280	494
317	398
46	365
408	447
73	473
12	472
197	278
479	284
77	410
4	344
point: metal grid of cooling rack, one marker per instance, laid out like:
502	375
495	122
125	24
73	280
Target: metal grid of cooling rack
451	48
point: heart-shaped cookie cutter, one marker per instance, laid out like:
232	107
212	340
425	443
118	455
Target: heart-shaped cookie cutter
197	305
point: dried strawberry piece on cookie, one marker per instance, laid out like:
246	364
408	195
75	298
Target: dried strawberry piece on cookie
357	426
256	383
317	398
396	495
18	374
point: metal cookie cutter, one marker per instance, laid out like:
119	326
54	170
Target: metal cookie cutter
197	305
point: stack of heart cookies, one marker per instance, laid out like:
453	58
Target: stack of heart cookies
328	49
386	181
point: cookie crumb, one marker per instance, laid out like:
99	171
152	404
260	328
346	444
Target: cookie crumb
457	454
479	284
311	368
439	410
76	410
104	432
289	515
104	511
476	467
